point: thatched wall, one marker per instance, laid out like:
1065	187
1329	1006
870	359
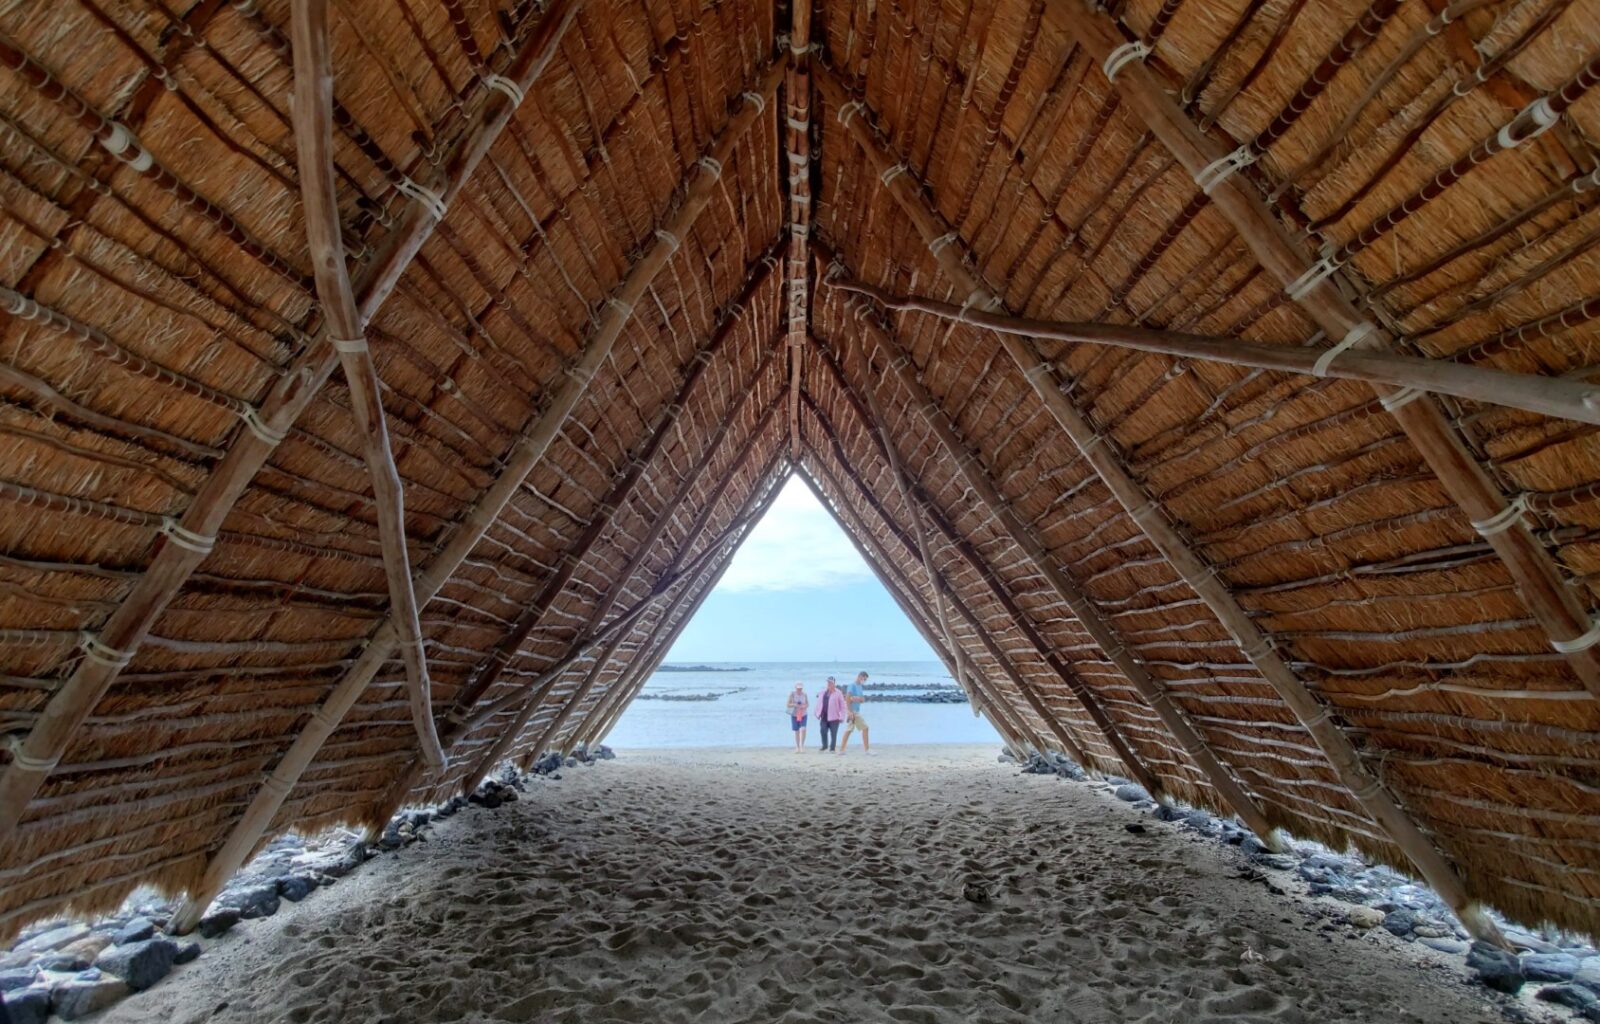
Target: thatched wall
153	307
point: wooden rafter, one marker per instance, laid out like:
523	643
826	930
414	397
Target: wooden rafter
191	537
950	251
1495	517
797	175
530	448
313	132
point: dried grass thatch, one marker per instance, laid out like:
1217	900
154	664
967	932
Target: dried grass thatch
1256	590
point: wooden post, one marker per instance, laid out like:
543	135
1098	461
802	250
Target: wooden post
1499	521
313	136
188	543
1548	396
530	448
1014	729
1098	451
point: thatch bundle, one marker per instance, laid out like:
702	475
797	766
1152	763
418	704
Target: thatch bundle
431	404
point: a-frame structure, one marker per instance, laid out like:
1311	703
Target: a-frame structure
383	384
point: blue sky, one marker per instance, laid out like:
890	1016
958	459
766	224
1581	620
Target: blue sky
797	591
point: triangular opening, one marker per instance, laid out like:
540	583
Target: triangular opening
797	603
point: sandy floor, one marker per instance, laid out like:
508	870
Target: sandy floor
925	884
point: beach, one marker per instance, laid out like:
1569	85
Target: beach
924	884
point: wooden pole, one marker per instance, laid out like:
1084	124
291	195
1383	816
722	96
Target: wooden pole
1549	396
1099	452
1111	642
530	448
797	175
189	541
1014	729
1499	521
489	671
313	135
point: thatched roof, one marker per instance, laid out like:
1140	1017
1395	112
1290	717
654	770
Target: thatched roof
686	249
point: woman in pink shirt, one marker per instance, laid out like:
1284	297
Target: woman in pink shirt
831	711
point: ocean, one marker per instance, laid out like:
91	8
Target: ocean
750	713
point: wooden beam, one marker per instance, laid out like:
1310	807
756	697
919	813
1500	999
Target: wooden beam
189	541
1280	252
1012	727
488	672
529	449
797	176
313	137
1099	452
1111	642
1051	720
1548	396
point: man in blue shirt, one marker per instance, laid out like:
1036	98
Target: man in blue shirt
856	695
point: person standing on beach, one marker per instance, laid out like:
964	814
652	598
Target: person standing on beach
797	707
830	712
856	696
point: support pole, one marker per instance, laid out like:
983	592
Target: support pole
1498	520
191	540
530	448
313	136
1099	452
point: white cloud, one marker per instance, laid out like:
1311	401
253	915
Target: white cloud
796	546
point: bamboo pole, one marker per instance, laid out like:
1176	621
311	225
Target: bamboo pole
313	134
797	174
190	539
1549	396
1051	720
1013	728
1116	647
488	672
528	451
1099	452
1312	284
864	402
547	680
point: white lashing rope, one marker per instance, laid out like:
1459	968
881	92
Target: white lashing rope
1578	644
121	141
430	200
1354	336
1317	273
1504	519
1544	118
1224	167
668	237
349	344
892	173
186	538
105	654
1122	56
501	83
948	238
1397	400
252	419
849	110
751	96
712	164
37	765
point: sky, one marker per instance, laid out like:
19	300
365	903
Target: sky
798	591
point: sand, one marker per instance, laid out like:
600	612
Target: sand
926	884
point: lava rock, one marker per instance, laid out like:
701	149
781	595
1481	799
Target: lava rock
1365	917
1445	945
218	920
1496	968
1550	966
1136	828
137	930
295	888
1131	793
17	977
27	1006
140	964
1589	976
63	962
605	753
1573	997
254	899
1165	812
186	952
54	939
1400	922
79	997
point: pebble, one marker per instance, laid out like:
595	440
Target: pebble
83	995
28	1006
1400	922
1131	793
1445	945
218	920
1365	917
1279	861
253	898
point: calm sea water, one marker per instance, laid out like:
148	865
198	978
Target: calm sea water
750	712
